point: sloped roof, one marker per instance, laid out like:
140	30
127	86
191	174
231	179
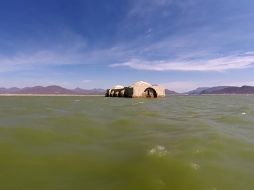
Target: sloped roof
118	87
141	83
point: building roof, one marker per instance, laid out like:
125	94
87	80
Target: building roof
140	83
118	87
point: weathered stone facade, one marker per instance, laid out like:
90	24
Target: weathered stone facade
138	89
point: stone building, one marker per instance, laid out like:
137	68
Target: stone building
138	89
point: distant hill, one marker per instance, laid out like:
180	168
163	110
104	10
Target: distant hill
51	90
45	90
230	90
95	91
79	91
170	92
212	90
223	90
196	91
8	90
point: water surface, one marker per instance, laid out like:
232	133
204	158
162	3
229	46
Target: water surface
97	143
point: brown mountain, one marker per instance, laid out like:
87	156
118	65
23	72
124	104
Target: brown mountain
51	90
45	90
170	92
97	91
8	90
229	90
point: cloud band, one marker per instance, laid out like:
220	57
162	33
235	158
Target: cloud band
240	61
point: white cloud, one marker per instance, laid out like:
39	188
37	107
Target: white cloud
40	58
77	53
240	61
67	48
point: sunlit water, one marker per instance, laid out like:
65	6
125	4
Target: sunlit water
97	143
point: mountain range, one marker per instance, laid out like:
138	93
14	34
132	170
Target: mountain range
59	90
53	89
222	90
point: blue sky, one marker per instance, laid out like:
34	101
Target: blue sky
181	44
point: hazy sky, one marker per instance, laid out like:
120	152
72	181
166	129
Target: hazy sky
181	44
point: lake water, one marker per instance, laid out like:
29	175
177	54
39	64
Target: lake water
97	143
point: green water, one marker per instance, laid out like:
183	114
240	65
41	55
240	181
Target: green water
97	143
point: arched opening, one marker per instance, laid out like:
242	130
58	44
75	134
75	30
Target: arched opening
121	93
150	93
111	93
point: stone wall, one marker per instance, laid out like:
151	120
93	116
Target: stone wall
138	89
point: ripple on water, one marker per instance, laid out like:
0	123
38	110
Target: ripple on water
158	150
136	103
194	166
194	143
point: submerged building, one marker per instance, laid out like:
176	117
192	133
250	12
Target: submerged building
138	89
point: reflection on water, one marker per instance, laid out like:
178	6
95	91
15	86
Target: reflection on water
178	143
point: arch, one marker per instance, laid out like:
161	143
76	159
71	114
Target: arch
150	93
116	94
121	93
111	93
